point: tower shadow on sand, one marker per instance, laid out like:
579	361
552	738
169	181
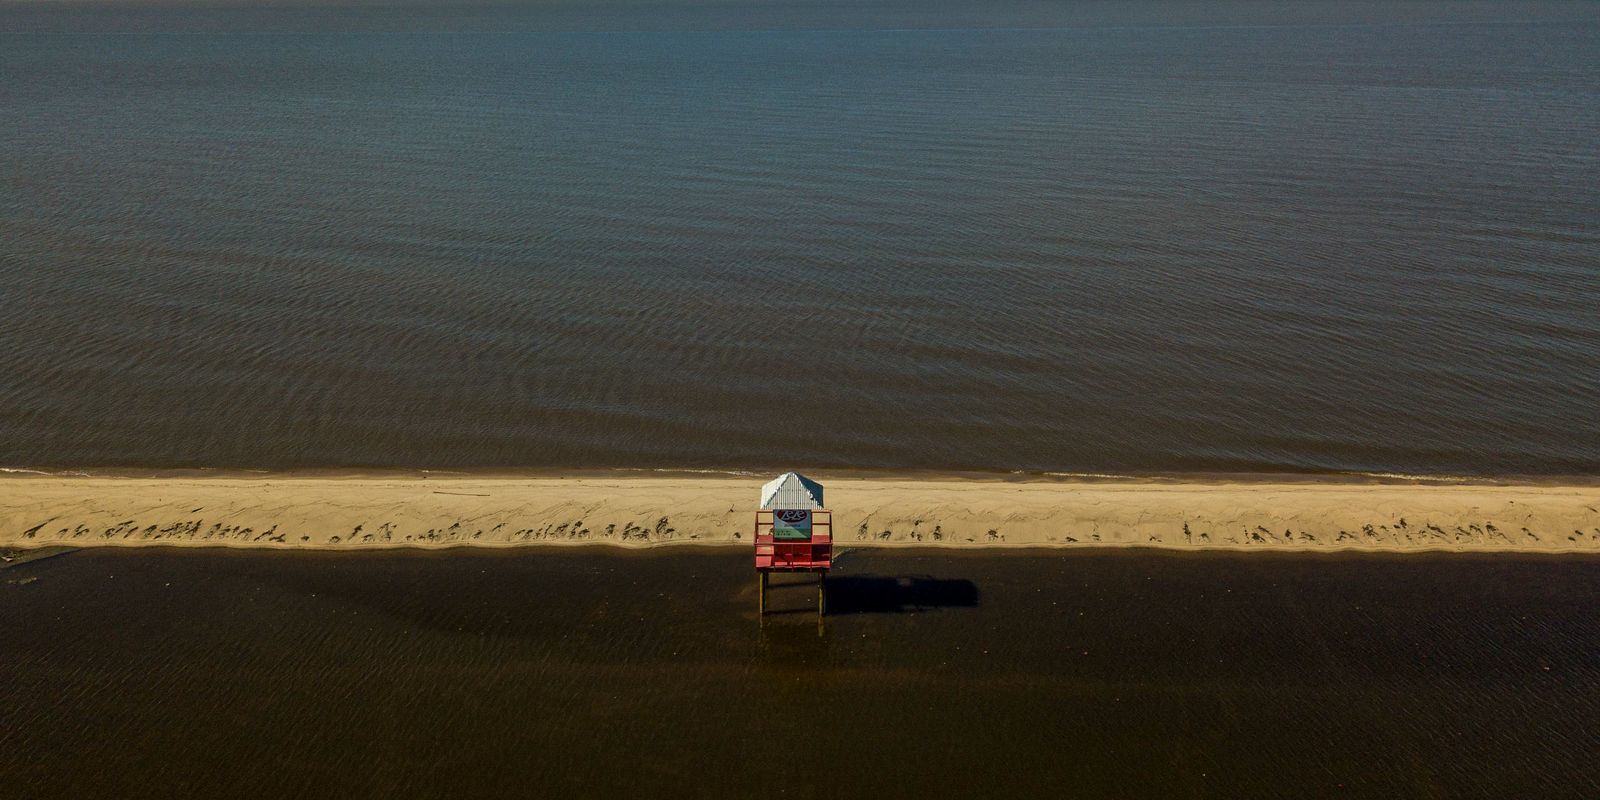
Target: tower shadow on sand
881	594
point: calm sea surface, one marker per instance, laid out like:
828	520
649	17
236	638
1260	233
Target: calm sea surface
1139	236
471	674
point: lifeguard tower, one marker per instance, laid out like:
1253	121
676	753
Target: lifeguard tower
794	533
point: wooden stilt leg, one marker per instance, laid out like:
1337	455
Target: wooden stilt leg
763	603
822	593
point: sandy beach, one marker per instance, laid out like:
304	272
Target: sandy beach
441	511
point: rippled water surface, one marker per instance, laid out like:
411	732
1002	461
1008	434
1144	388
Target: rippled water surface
1066	236
473	674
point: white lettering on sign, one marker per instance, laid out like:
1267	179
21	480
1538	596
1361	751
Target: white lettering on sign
791	523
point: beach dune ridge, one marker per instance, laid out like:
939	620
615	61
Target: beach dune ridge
415	511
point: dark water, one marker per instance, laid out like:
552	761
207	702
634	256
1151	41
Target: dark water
1139	236
162	674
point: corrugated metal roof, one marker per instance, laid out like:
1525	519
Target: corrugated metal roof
792	490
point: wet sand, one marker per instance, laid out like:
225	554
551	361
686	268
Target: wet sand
603	672
374	511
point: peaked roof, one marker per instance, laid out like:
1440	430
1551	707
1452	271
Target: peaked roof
792	490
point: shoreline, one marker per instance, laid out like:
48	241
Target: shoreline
1348	477
438	510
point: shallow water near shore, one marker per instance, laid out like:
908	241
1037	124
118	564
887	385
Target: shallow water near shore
213	673
1141	236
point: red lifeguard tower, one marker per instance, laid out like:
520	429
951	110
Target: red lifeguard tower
794	533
